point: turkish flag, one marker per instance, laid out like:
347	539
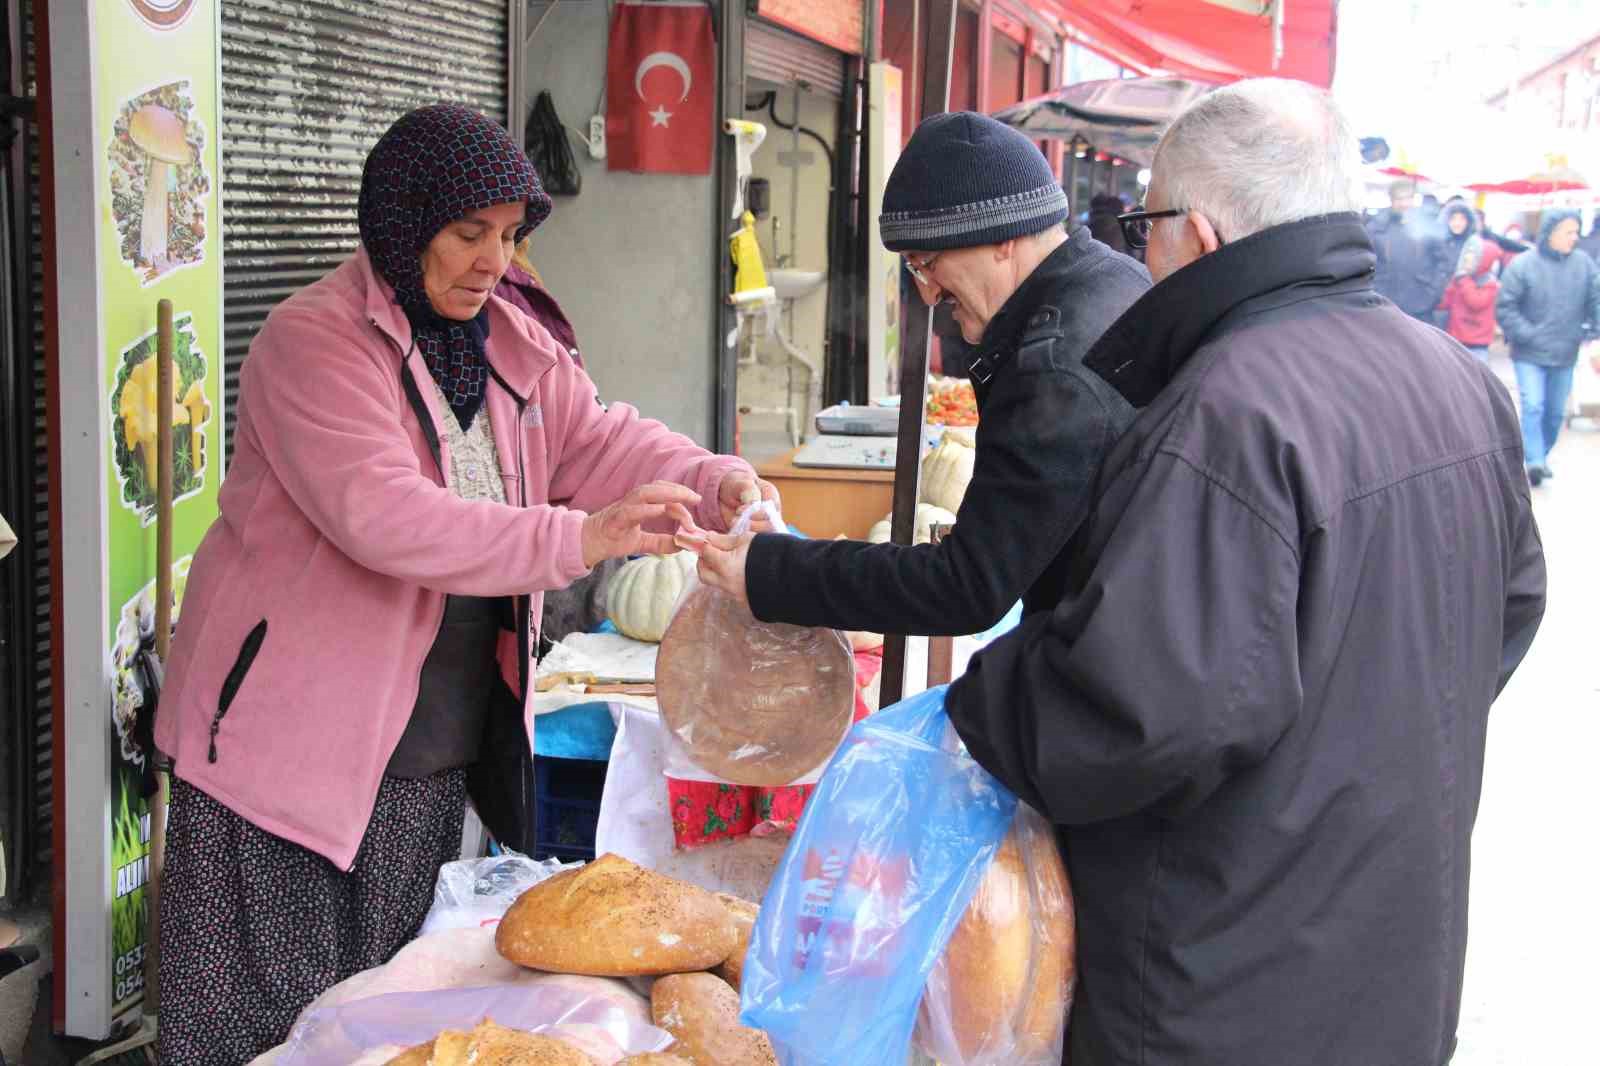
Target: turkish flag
661	88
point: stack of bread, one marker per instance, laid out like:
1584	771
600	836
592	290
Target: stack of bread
613	918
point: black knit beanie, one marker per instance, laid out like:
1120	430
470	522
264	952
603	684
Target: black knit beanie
963	180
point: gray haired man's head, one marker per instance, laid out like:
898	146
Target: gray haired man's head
1245	158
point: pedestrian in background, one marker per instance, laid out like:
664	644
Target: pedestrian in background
1590	245
1468	302
1549	301
1408	255
1103	224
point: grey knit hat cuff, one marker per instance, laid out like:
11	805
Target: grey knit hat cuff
983	222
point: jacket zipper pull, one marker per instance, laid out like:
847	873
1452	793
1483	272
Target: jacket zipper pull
211	754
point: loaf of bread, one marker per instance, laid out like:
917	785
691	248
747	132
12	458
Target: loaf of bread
754	703
492	1045
613	918
702	1014
654	1058
1002	988
744	918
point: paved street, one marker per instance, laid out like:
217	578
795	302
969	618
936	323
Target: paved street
1532	986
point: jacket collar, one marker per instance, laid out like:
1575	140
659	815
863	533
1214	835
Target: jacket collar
517	355
1145	348
1015	316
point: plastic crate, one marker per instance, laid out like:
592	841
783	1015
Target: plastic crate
567	804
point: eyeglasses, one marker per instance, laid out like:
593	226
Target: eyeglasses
919	269
1136	225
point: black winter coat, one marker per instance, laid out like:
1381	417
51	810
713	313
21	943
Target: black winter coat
1259	709
1045	425
1411	268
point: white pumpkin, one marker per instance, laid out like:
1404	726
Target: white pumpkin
644	592
928	516
947	470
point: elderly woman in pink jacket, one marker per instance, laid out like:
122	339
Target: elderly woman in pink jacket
415	461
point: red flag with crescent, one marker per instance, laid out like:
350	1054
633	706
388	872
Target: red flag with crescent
661	81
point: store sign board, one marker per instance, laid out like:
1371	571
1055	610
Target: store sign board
137	190
835	23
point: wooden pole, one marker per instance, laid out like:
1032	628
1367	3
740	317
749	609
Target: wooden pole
914	357
158	802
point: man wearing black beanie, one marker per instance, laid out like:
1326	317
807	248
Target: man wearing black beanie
977	215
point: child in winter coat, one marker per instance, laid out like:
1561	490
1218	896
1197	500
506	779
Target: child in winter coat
1468	301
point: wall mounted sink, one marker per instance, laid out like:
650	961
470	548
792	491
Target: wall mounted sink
794	284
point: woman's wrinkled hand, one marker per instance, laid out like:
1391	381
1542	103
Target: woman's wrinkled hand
617	531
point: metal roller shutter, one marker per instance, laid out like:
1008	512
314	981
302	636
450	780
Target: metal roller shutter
776	55
307	88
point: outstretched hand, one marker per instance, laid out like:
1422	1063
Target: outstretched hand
617	531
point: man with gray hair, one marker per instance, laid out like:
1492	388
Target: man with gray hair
1257	712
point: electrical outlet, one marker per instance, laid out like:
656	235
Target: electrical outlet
597	137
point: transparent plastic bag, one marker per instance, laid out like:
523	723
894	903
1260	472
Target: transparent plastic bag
476	893
377	1029
1000	992
882	865
748	702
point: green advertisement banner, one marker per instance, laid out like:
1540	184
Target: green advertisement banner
159	229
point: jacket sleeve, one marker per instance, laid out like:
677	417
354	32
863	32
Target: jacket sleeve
1508	305
1040	444
1525	593
328	419
606	452
1594	303
1175	667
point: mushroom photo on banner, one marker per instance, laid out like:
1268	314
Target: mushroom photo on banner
160	135
159	185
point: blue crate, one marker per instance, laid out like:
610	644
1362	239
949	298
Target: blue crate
567	804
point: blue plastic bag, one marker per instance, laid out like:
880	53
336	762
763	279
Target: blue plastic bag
887	855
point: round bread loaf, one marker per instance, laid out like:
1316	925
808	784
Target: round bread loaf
1001	990
492	1045
754	703
744	918
614	918
1055	952
702	1014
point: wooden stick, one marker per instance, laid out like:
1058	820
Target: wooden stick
165	394
164	471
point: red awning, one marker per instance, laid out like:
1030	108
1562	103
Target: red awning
1205	41
1531	187
1402	172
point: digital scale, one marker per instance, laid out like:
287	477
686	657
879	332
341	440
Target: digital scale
846	452
857	438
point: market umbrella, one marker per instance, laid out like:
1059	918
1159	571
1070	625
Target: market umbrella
1122	117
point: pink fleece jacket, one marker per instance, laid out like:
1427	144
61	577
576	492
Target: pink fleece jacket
338	534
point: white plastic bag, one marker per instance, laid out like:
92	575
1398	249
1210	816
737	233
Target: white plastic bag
749	702
375	1030
474	893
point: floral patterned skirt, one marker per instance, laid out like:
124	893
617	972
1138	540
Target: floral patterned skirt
253	928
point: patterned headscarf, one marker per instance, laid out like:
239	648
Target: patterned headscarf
435	165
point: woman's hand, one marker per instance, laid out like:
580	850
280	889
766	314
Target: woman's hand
738	491
614	532
722	559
